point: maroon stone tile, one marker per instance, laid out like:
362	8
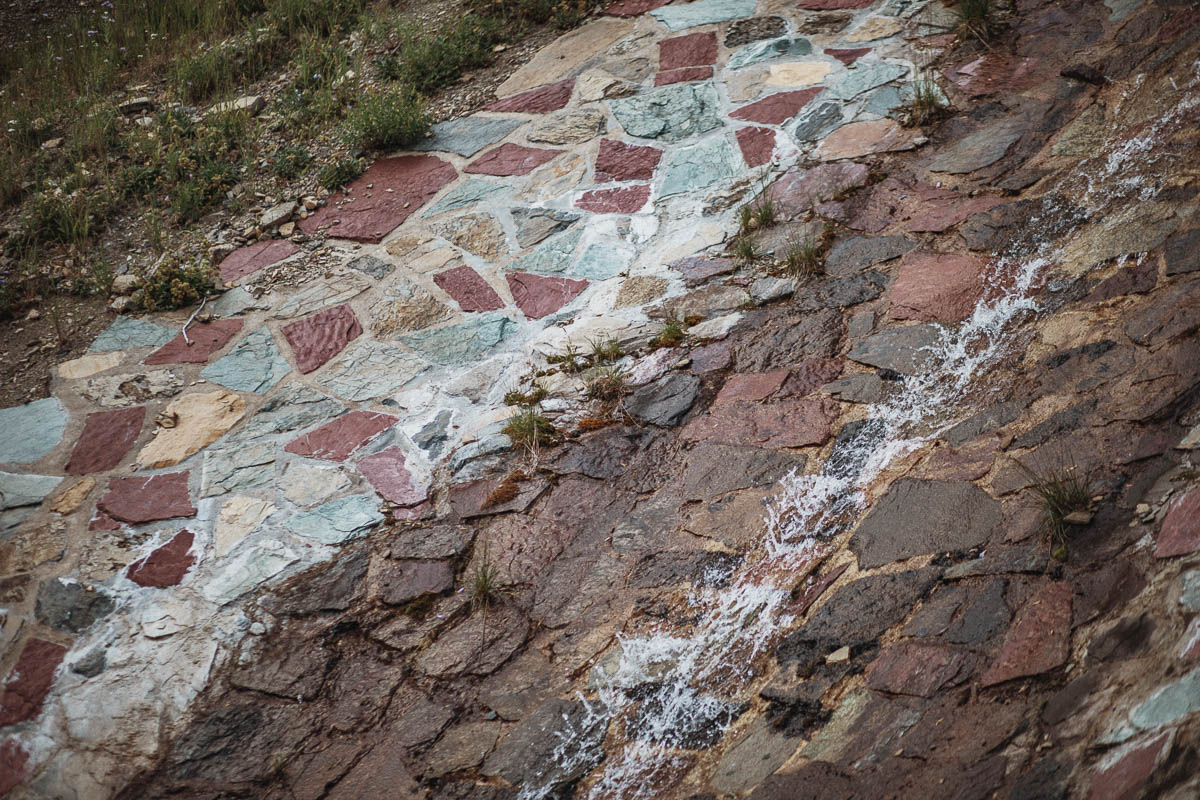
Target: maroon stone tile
206	338
1180	532
106	438
336	440
316	339
618	161
777	108
712	357
398	582
938	216
752	387
997	72
1039	639
253	257
27	685
539	295
388	473
633	8
698	269
14	765
147	499
472	499
469	289
103	522
166	565
810	375
758	144
830	5
511	159
797	190
1123	773
626	200
1137	279
692	50
683	75
789	423
915	668
368	214
936	287
847	55
541	100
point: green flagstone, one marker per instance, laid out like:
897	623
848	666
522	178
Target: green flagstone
764	51
126	332
338	520
467	193
703	12
552	257
253	365
462	343
688	169
672	113
31	431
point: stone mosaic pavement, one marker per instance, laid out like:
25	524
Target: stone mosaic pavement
151	507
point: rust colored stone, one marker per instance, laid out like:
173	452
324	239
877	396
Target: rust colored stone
753	387
106	438
847	55
541	100
936	287
1180	532
1040	638
626	200
789	423
14	765
618	161
27	685
757	144
684	75
147	499
165	566
252	258
336	440
777	108
633	8
469	289
539	295
322	336
692	50
1123	777
914	668
206	338
511	159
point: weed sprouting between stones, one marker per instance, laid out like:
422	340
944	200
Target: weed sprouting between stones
606	384
804	255
391	119
974	19
671	335
745	249
529	429
341	172
1064	494
607	351
925	105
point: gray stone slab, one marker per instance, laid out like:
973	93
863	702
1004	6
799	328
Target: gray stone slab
373	266
19	489
816	121
294	407
865	77
552	257
765	51
467	193
468	135
127	332
535	224
603	260
857	253
979	149
234	303
31	431
236	468
463	343
672	113
666	401
689	169
253	365
370	369
338	520
251	566
910	350
703	12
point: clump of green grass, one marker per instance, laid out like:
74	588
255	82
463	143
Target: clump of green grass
1061	492
316	17
974	18
606	383
606	351
391	119
426	62
745	249
562	14
529	429
671	335
340	173
804	255
570	360
926	102
290	162
174	286
485	585
518	398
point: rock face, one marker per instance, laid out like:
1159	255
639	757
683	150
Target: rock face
936	287
165	566
664	402
617	161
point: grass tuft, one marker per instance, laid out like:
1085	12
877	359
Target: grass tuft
606	383
529	429
1061	492
804	256
671	335
173	286
974	18
926	103
745	249
391	119
341	173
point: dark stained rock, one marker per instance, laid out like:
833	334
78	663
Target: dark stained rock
916	669
387	194
324	587
981	147
996	72
985	421
106	438
698	269
1182	252
910	350
715	469
916	517
535	224
288	667
528	754
1084	73
757	145
777	108
772	339
398	582
1174	313
469	289
228	743
436	541
1180	532
1111	586
252	258
617	161
91	663
71	606
984	613
166	565
809	376
1137	279
475	498
858	253
316	339
936	287
712	357
389	474
992	230
700	567
691	50
541	100
511	159
625	200
745	31
847	55
476	646
1126	639
147	499
849	290
540	295
1039	639
206	338
29	682
665	402
461	748
1001	561
336	440
698	730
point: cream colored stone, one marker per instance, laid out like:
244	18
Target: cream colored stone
554	180
864	138
405	245
200	419
70	499
88	365
239	517
433	261
875	28
307	486
564	56
596	84
799	73
744	85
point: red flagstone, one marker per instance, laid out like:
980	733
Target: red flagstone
1040	638
947	213
633	8
469	289
103	522
831	5
936	287
106	438
751	387
914	668
322	336
758	144
712	357
541	100
777	108
336	440
27	685
539	295
14	765
618	161
252	258
511	159
625	200
692	50
847	55
683	75
1125	773
996	73
147	499
1180	532
788	423
167	565
206	338
386	195
388	473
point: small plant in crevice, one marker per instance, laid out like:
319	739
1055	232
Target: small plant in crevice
174	286
745	249
926	103
804	255
974	19
536	394
391	119
506	492
606	383
529	429
607	351
1064	494
341	173
570	360
671	335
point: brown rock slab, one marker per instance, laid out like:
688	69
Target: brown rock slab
388	473
199	420
336	440
757	144
14	765
797	191
140	499
865	138
478	234
683	75
936	287
625	200
398	187
471	499
996	72
617	161
27	685
469	289
692	50
712	357
206	338
789	423
541	100
539	295
915	668
511	159
698	269
1180	532
252	258
399	582
106	438
1123	773
316	339
478	645
165	566
778	108
847	55
1039	639
521	546
461	748
832	5
752	387
947	213
69	500
633	8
